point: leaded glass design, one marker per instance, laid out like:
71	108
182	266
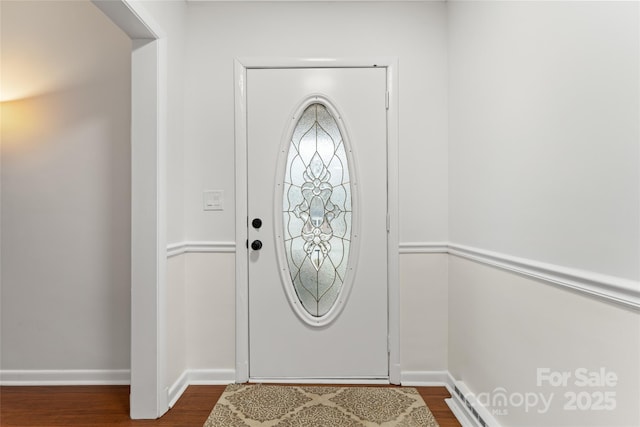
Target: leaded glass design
316	208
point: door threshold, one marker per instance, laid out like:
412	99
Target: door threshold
280	380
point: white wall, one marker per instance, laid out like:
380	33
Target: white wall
504	327
413	32
424	298
544	165
65	188
544	132
211	312
220	32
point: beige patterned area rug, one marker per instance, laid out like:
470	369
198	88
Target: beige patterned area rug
319	406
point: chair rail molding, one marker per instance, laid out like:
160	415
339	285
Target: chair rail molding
423	247
609	288
180	248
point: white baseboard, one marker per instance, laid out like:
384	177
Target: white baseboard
65	377
199	377
427	379
177	389
346	381
211	376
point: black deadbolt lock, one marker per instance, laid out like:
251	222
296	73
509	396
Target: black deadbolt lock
256	223
256	245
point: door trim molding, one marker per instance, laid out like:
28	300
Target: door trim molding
241	65
149	98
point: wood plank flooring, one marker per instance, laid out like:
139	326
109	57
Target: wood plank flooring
101	406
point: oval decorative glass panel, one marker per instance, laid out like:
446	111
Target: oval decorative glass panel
317	210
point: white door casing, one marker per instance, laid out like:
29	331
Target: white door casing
148	398
350	341
242	66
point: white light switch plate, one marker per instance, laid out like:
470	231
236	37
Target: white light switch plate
213	200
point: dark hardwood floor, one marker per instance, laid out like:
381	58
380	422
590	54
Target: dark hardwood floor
97	406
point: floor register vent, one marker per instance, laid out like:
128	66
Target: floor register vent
470	406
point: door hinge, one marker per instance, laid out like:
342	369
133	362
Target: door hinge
386	100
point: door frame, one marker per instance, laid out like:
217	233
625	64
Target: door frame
241	66
148	397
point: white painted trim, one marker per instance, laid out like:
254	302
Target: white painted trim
393	210
450	382
148	258
326	62
134	20
211	376
427	379
180	248
199	377
149	93
347	381
608	288
417	1
423	248
197	246
242	262
38	377
242	285
178	388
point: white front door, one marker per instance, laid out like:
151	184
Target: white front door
317	183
